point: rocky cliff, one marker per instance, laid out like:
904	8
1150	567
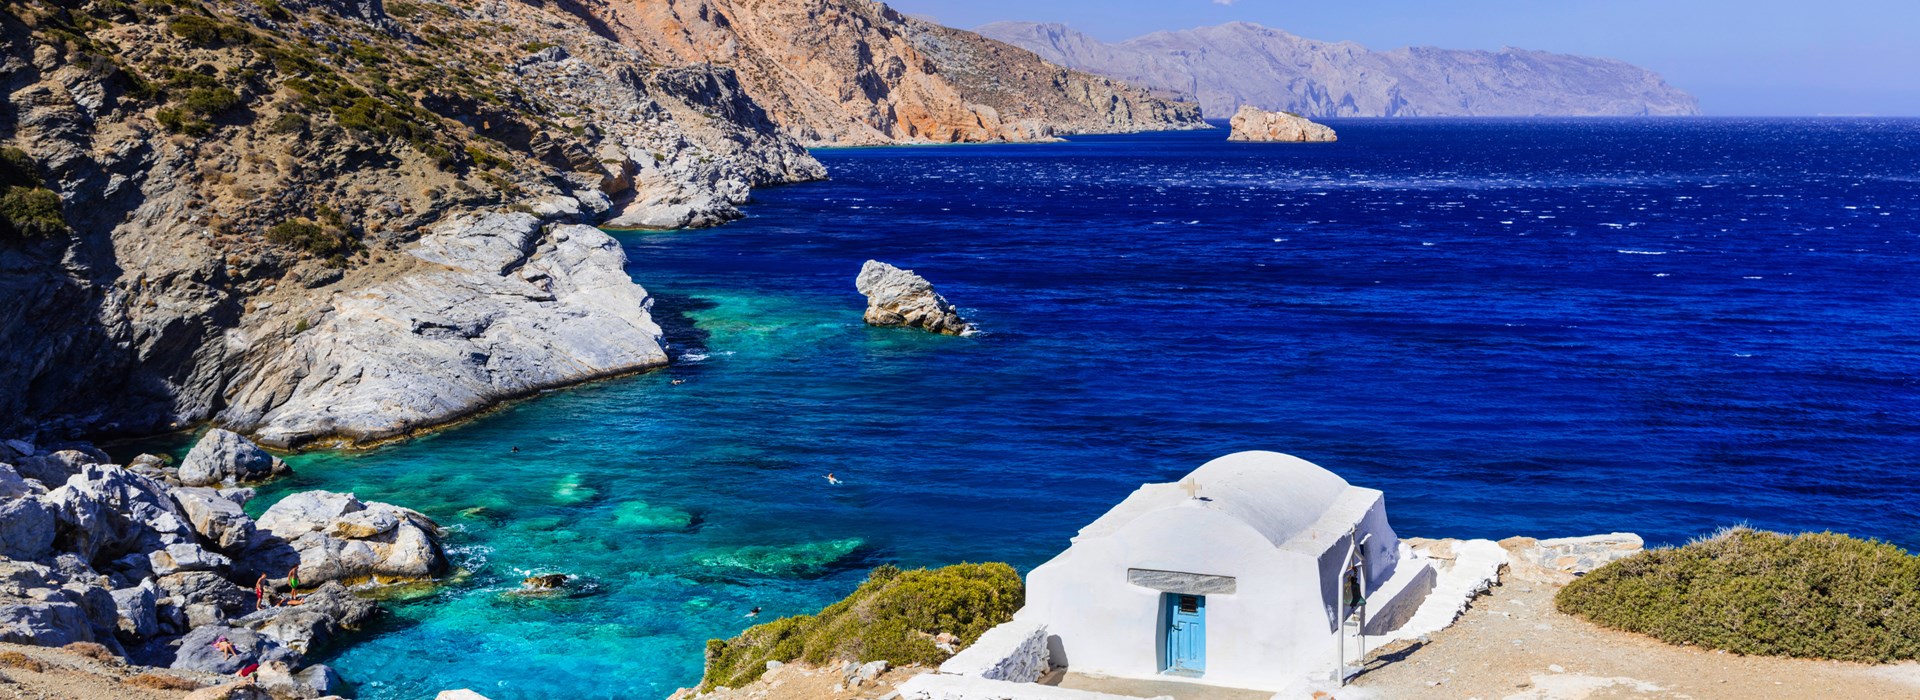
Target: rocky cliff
1230	65
855	72
266	212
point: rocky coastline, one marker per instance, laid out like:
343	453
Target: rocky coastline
157	565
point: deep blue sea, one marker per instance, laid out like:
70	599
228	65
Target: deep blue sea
1536	327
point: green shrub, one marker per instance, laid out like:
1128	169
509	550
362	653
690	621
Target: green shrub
206	31
275	11
891	616
31	212
327	242
1816	595
209	101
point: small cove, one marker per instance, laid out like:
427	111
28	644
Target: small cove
1461	313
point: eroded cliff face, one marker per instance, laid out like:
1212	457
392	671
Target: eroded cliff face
229	177
854	72
1231	65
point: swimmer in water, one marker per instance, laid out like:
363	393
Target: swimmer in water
755	612
831	479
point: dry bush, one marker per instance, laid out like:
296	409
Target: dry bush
161	681
92	651
14	659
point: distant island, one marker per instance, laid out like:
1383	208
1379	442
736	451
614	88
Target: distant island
1231	65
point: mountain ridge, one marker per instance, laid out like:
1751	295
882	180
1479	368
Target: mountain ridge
1225	66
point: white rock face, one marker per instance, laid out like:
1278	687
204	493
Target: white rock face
897	297
502	308
1255	124
339	538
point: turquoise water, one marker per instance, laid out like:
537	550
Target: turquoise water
1511	327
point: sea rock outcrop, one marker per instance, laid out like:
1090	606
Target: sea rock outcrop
223	457
1226	66
897	297
336	537
500	306
1254	124
159	573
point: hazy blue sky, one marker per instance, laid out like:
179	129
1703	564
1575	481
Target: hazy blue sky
1739	57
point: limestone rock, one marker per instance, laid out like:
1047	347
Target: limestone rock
225	457
48	623
215	517
280	681
897	297
197	652
105	512
186	556
506	308
138	608
26	527
336	537
1560	560
1255	124
204	597
55	468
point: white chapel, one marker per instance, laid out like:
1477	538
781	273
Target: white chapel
1256	570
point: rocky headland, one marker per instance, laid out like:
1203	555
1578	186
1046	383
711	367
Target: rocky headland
857	72
897	297
1254	124
129	564
1226	66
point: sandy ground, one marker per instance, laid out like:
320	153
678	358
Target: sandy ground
799	681
55	674
1513	645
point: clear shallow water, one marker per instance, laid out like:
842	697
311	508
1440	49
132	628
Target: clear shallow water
1545	328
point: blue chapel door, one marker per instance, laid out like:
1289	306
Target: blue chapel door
1186	634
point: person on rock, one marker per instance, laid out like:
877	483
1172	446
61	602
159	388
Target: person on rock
225	646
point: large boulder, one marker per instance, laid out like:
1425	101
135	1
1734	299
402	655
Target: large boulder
26	527
310	683
203	598
224	457
897	297
106	512
138	609
54	468
197	651
1254	124
216	517
13	485
55	621
186	556
336	537
311	625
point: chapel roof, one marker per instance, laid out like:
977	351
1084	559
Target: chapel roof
1290	501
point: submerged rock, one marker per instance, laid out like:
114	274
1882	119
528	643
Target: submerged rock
224	457
897	297
1254	124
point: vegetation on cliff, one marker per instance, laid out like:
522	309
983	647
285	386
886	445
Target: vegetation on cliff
894	616
27	210
1816	595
